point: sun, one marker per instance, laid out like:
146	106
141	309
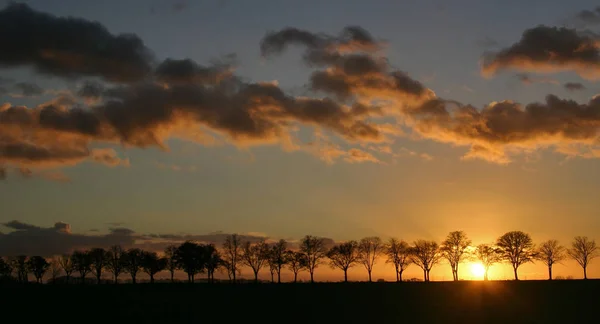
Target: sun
478	270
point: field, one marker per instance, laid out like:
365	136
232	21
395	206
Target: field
564	301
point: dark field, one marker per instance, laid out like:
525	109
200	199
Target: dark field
568	301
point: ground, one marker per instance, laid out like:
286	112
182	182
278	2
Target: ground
563	301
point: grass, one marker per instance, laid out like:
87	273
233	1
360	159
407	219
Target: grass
564	301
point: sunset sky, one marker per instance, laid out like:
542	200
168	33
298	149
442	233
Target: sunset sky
340	119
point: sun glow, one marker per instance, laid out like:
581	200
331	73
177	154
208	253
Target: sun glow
478	270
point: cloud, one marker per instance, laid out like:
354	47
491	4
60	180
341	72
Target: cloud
69	47
27	89
175	167
502	129
187	71
528	79
109	157
27	239
574	86
547	49
487	42
358	156
589	17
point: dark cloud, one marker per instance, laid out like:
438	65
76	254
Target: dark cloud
27	89
2	173
548	49
528	79
589	17
351	65
188	71
574	86
504	128
91	90
69	47
29	239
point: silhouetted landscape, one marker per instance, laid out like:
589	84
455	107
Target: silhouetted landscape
161	161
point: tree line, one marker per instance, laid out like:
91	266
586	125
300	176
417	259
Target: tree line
515	248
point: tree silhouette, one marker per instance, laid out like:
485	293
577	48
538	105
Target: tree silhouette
115	261
132	263
213	261
454	249
19	263
488	256
425	254
99	259
38	266
517	248
278	257
5	268
296	261
272	267
66	263
82	263
583	250
152	264
314	251
255	256
398	253
550	252
232	250
55	269
369	249
191	259
171	260
343	256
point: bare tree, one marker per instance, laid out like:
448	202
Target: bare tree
19	263
454	249
38	266
550	252
517	248
171	260
278	257
66	263
213	261
99	259
255	256
398	253
488	256
314	251
369	249
115	261
425	254
344	256
296	261
82	262
55	269
583	250
232	250
152	264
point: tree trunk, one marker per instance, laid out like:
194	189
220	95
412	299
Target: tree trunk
424	275
98	277
133	279
585	272
311	276
485	274
428	279
400	275
116	278
272	277
233	275
295	277
369	271
172	275
255	276
279	275
549	272
397	274
516	274
345	275
456	272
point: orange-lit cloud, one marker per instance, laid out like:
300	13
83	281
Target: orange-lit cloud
548	49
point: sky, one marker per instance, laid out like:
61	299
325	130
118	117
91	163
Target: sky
340	119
